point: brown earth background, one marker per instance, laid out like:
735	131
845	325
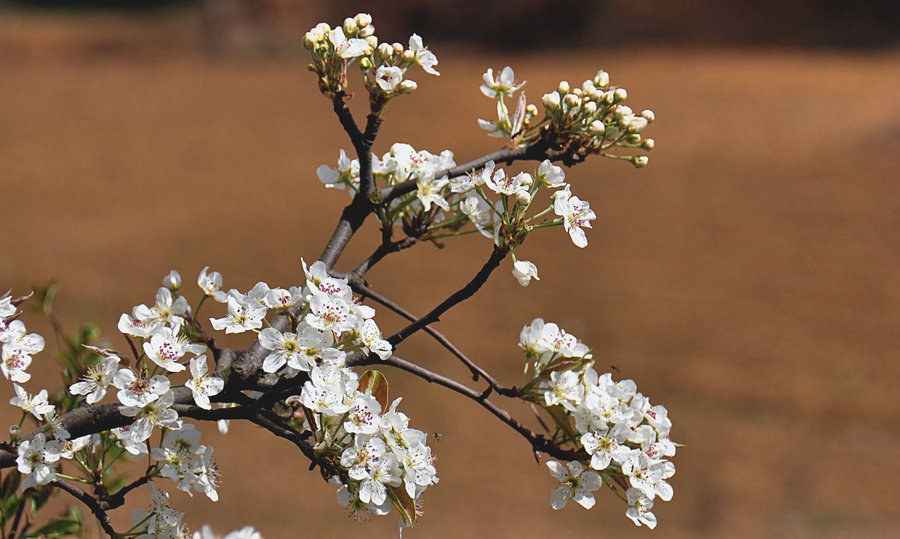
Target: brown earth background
747	278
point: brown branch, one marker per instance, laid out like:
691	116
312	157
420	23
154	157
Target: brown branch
360	288
464	293
92	503
537	441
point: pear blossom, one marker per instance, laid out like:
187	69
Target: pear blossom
17	349
364	415
550	175
155	413
139	391
577	484
172	280
96	380
36	459
524	271
247	532
347	172
372	487
202	385
211	284
7	309
166	347
36	405
371	338
505	84
348	48
576	215
388	77
429	192
639	506
242	316
330	313
424	57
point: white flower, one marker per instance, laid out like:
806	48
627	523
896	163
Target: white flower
639	507
550	175
348	48
156	413
7	309
418	466
576	214
371	338
202	385
388	77
242	316
424	57
134	391
211	284
429	191
17	349
36	458
347	172
364	416
167	347
576	483
500	183
96	380
330	313
504	85
36	405
604	445
524	271
247	532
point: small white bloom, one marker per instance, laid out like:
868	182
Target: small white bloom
172	281
504	85
388	77
242	316
577	484
96	380
424	57
202	385
348	48
211	284
524	271
36	405
576	215
639	506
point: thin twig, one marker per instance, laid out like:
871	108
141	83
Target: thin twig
91	503
361	288
497	255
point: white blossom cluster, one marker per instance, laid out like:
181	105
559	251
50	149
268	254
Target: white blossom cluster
493	201
592	119
384	65
624	437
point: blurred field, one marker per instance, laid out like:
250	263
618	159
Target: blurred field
747	279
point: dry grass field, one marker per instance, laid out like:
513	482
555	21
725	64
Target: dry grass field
748	278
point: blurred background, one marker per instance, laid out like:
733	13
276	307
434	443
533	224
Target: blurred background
747	278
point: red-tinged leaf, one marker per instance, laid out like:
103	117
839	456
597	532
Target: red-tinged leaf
404	504
375	382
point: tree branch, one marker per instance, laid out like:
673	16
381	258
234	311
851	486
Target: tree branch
92	504
497	255
537	441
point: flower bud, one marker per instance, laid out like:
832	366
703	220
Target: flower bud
523	197
322	29
409	57
572	100
371	40
633	138
620	95
640	161
309	41
612	132
398	49
590	108
531	110
587	87
648	144
14	431
363	19
350	26
366	63
597	127
648	115
578	92
622	112
408	86
366	32
563	87
385	51
601	79
172	281
551	101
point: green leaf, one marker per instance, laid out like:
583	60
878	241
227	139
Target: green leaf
60	528
375	382
10	484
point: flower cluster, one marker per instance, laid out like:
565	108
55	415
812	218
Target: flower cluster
625	439
383	65
592	120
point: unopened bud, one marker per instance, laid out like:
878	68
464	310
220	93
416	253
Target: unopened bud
386	51
551	101
408	86
648	115
640	161
587	87
572	100
601	79
398	49
622	112
531	110
309	41
172	281
620	95
322	28
563	87
366	63
597	127
590	108
633	138
363	19
372	41
636	124
578	92
648	144
368	31
14	432
523	197
409	57
612	132
350	26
